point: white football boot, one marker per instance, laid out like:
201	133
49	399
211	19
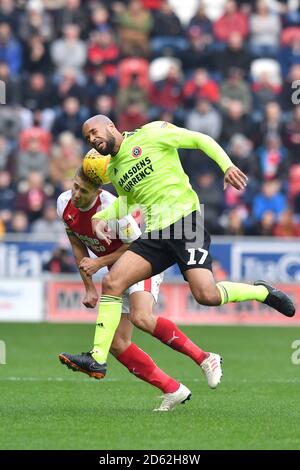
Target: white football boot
170	400
212	369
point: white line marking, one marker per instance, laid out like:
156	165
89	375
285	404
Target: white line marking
54	379
111	379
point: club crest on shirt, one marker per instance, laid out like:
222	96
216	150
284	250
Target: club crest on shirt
136	152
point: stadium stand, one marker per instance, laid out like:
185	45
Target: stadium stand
229	69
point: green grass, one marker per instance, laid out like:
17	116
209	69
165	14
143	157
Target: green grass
46	406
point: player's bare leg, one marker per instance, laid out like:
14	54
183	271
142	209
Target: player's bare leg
141	311
122	338
141	315
203	286
142	366
129	269
207	292
138	362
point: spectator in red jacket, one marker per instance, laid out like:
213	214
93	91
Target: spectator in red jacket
167	94
103	50
232	20
201	86
132	117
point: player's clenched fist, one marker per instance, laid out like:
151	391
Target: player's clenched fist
90	265
235	177
91	298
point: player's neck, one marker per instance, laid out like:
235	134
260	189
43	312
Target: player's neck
89	206
119	140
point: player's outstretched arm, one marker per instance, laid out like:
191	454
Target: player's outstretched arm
197	140
115	211
80	251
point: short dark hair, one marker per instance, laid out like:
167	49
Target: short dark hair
86	179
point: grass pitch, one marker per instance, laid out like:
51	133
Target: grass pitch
46	406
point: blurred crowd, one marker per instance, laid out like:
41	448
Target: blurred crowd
230	69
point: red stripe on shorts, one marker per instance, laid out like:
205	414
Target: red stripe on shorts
148	284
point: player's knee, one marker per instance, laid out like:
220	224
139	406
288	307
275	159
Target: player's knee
118	346
111	286
140	320
136	318
209	297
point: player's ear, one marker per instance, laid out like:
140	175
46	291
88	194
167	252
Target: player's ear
112	128
99	191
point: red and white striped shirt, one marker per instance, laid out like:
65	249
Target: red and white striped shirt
79	223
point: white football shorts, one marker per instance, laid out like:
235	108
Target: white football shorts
148	285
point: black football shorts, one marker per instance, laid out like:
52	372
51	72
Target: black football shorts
186	242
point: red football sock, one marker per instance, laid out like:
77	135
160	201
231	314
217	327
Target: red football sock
168	333
143	367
